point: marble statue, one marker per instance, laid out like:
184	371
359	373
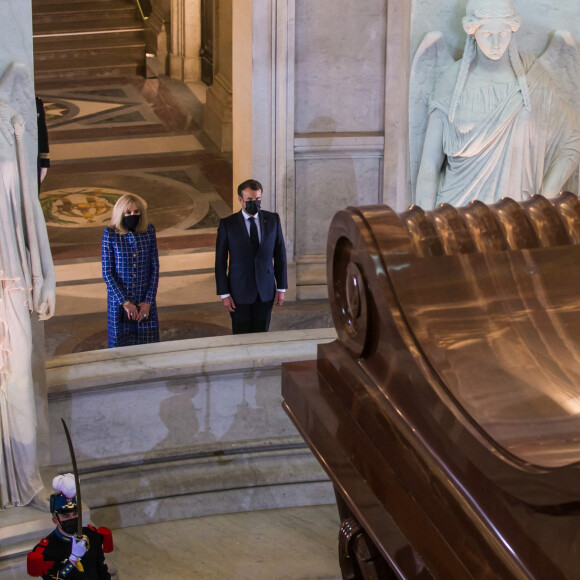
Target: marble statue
27	284
496	123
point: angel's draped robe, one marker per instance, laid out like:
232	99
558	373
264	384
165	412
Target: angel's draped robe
496	148
19	477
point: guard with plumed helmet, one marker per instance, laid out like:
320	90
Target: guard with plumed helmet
67	553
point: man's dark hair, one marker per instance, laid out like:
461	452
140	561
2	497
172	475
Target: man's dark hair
249	184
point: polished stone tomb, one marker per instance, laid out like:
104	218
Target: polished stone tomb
447	413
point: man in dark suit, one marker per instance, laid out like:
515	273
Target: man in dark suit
256	278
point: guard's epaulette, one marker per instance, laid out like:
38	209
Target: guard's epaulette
36	565
107	539
91	527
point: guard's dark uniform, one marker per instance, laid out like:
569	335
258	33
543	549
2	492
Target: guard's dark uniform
43	159
49	559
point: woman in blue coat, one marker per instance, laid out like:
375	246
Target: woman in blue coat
131	272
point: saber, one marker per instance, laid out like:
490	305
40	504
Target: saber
79	534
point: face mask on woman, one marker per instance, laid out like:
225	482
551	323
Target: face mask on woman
130	222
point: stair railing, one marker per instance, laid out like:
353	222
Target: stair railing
145	8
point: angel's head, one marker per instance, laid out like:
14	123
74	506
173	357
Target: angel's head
492	23
478	12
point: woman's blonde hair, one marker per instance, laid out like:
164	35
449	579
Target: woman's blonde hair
121	207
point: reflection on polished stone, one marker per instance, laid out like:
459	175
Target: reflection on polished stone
453	408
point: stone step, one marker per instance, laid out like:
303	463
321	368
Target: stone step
21	529
106	61
40	6
88	9
92	54
47	6
86	22
91	38
81	38
74	72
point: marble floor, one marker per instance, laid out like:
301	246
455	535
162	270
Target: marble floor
280	544
115	135
131	135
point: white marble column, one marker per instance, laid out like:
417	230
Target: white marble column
217	114
184	59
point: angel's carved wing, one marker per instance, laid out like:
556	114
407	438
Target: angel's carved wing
432	57
562	60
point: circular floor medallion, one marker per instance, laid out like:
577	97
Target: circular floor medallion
56	111
75	207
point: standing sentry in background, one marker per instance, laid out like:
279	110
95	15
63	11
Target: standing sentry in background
131	271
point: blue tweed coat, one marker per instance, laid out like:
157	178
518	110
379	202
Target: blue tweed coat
131	272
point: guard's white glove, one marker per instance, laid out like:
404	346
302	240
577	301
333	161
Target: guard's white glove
78	550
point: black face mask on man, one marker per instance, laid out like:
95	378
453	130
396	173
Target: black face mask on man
130	222
69	526
253	206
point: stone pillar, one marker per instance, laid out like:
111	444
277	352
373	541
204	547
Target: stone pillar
217	114
396	143
184	60
242	109
156	33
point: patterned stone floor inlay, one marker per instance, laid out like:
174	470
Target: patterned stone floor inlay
78	107
130	135
57	110
181	202
72	207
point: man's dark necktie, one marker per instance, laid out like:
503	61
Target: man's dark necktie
254	235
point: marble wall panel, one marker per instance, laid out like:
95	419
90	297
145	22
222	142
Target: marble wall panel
539	18
340	65
171	415
326	186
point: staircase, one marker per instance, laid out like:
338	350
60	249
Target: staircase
82	39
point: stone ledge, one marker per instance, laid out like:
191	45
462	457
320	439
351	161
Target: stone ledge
181	358
128	496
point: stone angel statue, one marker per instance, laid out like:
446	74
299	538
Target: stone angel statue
497	123
27	284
